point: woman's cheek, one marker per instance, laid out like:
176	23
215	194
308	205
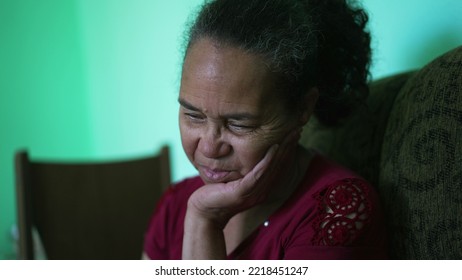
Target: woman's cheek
251	151
188	140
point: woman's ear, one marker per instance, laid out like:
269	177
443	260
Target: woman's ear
308	104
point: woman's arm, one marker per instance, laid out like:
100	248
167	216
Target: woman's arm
202	239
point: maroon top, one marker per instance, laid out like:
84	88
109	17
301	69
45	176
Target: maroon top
333	214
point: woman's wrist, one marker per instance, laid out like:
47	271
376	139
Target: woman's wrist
203	237
204	219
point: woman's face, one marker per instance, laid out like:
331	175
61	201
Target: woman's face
230	111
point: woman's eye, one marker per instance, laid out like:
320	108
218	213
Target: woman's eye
194	117
240	127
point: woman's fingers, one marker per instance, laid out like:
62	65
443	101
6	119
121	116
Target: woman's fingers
274	155
264	175
257	172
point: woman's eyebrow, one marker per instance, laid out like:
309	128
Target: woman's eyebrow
231	116
187	105
240	116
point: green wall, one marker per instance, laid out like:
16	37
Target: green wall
88	80
43	101
410	33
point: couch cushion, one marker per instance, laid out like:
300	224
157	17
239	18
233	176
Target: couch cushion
357	143
421	166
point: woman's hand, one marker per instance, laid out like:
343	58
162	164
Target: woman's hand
212	206
219	202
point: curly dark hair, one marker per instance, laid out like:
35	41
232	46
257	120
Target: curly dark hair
322	43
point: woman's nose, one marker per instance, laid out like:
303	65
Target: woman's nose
212	145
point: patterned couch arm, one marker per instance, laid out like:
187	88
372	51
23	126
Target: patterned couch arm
420	178
407	141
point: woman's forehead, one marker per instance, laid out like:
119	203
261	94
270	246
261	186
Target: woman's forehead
208	59
228	72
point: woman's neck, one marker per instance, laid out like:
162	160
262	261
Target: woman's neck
244	223
292	177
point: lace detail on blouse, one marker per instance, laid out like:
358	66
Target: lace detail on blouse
343	212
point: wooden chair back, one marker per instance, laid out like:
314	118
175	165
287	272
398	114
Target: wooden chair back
88	210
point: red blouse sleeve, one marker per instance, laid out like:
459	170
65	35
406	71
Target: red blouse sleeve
347	225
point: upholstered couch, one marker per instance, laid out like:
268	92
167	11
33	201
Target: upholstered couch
407	141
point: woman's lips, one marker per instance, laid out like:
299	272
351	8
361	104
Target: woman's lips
214	175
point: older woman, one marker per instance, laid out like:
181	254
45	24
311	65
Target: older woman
254	73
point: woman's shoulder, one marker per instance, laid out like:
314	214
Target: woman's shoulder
324	174
331	182
334	214
347	204
325	170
